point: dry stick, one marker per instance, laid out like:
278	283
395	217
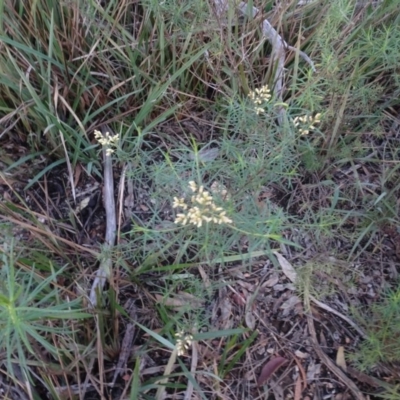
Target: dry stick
104	270
121	191
327	361
323	357
279	47
160	394
352	371
126	346
340	315
273	36
49	234
193	367
292	275
278	53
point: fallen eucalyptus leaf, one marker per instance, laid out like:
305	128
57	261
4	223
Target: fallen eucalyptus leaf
340	358
269	368
287	268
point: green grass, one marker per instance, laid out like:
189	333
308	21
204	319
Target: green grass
383	332
173	81
33	313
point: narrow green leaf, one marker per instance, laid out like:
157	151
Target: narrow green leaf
217	334
23	160
157	337
43	172
135	385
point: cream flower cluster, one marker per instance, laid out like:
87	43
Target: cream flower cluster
107	140
307	123
259	97
183	342
203	209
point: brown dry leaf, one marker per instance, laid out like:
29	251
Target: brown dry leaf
248	286
303	376
297	389
7	180
250	307
206	155
188	297
312	371
250	319
287	268
85	99
204	276
289	304
301	354
77	174
226	313
277	390
269	368
99	95
340	358
239	299
322	340
271	281
261	205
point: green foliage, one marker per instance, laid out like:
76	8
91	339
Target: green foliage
383	329
310	279
30	309
70	67
72	64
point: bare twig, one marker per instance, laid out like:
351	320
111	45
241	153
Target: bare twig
340	315
327	361
121	190
126	345
279	47
14	391
109	202
193	367
291	273
160	394
104	271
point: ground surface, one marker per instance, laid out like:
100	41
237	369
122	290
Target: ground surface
282	317
282	297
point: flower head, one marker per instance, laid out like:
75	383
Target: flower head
259	97
306	123
107	141
179	203
183	341
202	208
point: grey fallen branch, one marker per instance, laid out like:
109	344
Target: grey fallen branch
104	271
279	47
